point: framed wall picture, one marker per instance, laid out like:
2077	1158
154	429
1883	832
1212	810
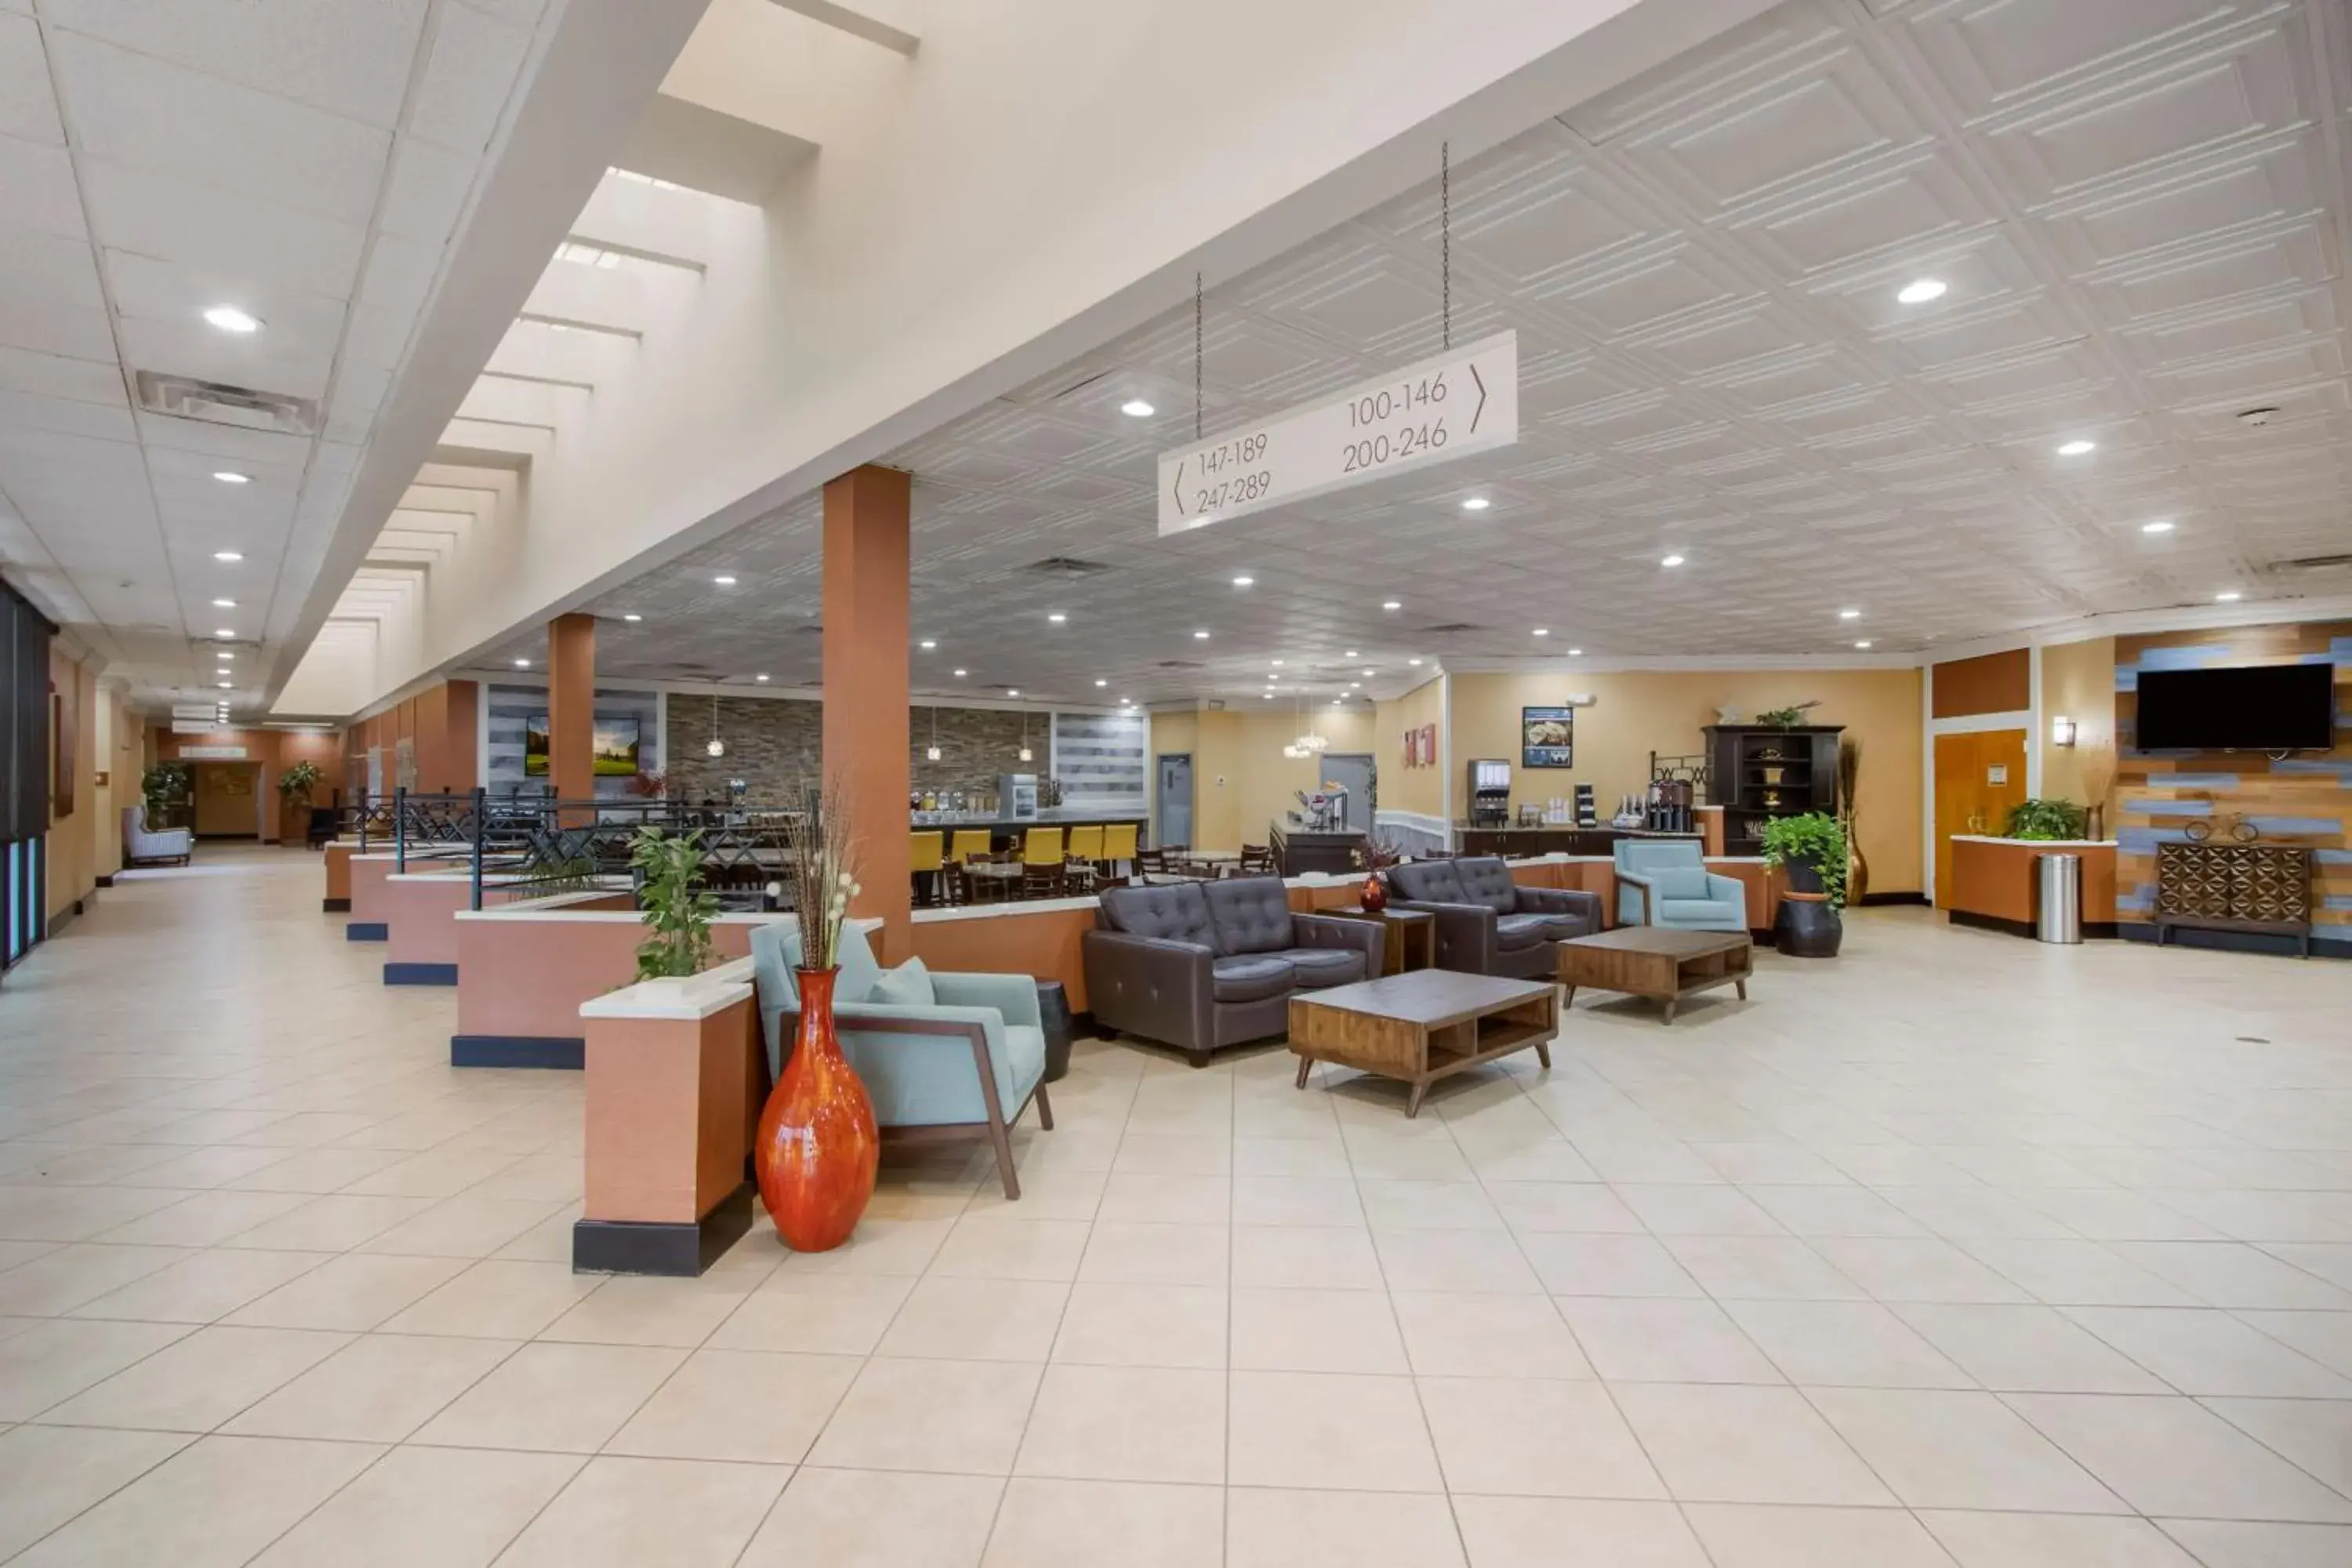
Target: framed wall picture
1429	745
1547	737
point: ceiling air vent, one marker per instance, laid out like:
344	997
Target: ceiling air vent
1452	628
1066	566
217	403
1181	664
2309	564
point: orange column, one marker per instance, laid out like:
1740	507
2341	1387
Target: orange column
866	526
571	709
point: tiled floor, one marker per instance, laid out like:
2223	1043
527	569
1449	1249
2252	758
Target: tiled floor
1956	1251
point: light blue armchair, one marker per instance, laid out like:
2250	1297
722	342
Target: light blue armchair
970	1063
1665	882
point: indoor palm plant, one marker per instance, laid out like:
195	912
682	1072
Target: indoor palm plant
678	911
2046	819
297	783
1810	850
818	1148
165	788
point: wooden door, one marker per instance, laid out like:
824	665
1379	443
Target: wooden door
226	799
1978	776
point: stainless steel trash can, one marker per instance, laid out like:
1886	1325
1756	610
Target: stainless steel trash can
2058	916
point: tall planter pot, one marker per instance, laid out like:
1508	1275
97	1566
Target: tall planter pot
1808	925
817	1148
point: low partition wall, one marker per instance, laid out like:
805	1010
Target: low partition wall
369	873
338	858
1993	882
420	909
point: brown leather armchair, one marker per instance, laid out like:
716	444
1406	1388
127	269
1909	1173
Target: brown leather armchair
1488	925
1203	964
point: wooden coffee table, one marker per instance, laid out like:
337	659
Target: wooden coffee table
1423	1025
1655	961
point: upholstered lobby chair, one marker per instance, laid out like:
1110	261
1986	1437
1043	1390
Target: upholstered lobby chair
1665	882
143	846
1198	965
1488	925
971	1058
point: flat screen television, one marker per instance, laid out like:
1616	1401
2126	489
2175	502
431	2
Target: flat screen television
615	747
2246	708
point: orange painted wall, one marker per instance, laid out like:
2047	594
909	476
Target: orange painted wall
274	750
1044	946
1997	879
442	725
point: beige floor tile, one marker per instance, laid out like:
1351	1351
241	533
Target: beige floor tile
1534	1437
2324	1337
470	1225
454	1508
2052	1541
1316	1331
1697	1210
1143	1325
333	1224
1958	1449
377	1389
1741	1535
1298	1529
2066	1273
1549	1160
1288	1157
434	1173
2315	1433
1451	1206
1810	1211
1659	1341
877	1519
203	1220
751	1405
993	1246
2204	1351
356	1292
49	1474
977	1320
965	1417
195	1383
1173	1154
1142	1252
56	1279
200	1286
2173	1457
1487	1261
1585	1265
1127	1423
646	1311
1729	1444
1456	1334
1297	1200
1845	1343
1329	1258
2030	1349
53	1360
1645	1163
1167	1200
317	1171
1761	1267
828	1314
1339	1431
1056	1523
1916	1269
2220	1544
1529	1532
1570	1207
496	1299
565	1398
1380	1153
2231	1274
246	1492
624	1513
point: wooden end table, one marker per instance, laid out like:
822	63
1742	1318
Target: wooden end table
1422	1026
1408	939
1657	961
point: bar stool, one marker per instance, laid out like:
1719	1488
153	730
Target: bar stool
1085	853
926	860
1119	849
1043	847
968	843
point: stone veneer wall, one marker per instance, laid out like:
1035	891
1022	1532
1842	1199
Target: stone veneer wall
775	745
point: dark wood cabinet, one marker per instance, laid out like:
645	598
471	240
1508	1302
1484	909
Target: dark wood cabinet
1756	772
2263	888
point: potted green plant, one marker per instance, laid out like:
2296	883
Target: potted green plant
2043	820
165	787
1810	850
295	783
678	911
1788	718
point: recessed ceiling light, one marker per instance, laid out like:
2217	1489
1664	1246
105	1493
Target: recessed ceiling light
762	678
1863	643
2075	448
1540	632
1058	617
228	686
230	556
1368	669
1849	614
2228	596
1200	637
633	617
1136	408
724	582
223	632
1920	290
223	603
229	318
2159	526
523	664
231	477
959	675
1672	561
1476	503
1392	604
928	644
1099	681
1412	661
1351	653
1278	663
1244	581
1354	685
1574	652
1013	691
224	656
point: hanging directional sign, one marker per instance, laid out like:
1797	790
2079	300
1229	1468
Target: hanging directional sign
1464	401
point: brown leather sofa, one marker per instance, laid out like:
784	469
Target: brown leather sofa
1488	925
1203	964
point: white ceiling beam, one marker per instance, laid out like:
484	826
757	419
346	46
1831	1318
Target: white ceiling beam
712	151
874	21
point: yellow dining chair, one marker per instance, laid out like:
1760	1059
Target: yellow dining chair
1118	847
926	857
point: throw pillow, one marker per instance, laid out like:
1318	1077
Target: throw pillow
908	985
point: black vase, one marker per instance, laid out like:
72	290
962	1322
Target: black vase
1810	927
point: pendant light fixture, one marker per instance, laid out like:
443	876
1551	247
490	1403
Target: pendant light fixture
1294	751
1026	753
931	752
715	747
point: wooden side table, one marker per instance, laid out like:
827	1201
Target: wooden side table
1409	938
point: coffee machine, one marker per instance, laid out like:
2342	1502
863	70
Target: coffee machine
1490	794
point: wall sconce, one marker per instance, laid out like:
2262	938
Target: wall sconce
2062	731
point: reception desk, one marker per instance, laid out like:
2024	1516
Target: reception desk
1993	882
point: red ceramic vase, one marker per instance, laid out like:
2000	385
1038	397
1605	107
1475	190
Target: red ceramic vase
818	1148
1375	895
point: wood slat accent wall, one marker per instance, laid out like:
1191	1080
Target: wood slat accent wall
2305	799
1992	683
